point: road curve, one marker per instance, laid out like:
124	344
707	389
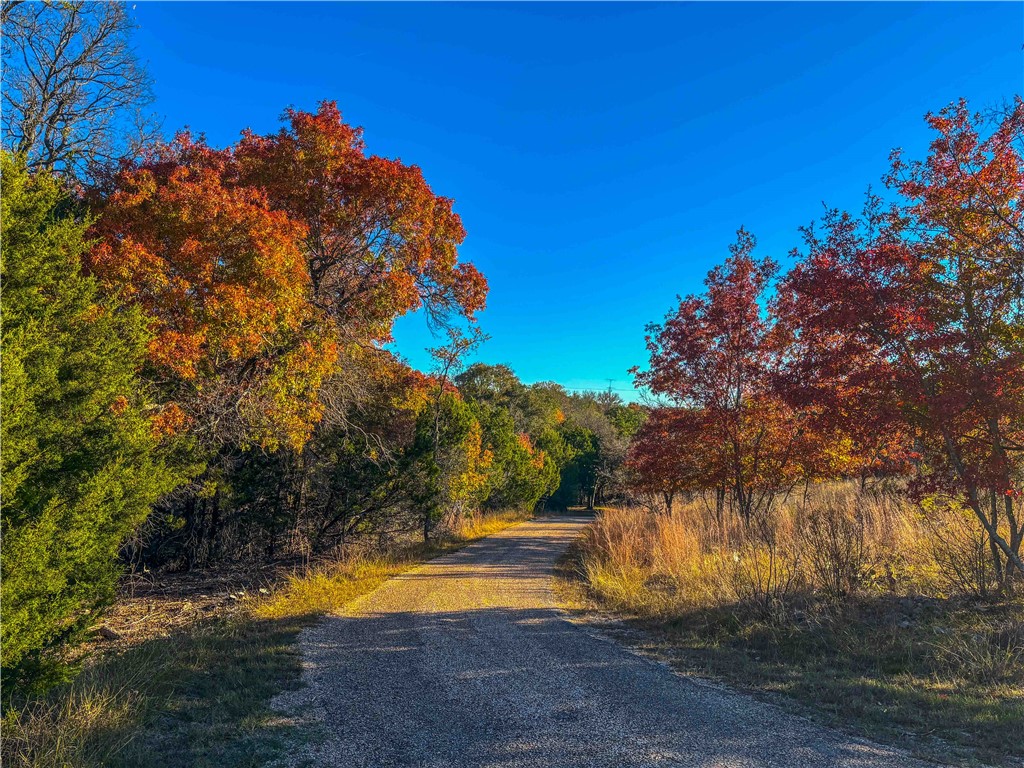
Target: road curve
467	661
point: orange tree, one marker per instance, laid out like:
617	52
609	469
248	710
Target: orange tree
378	241
272	271
238	350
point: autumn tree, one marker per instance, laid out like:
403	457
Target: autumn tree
274	271
914	314
80	457
720	354
239	351
669	455
379	242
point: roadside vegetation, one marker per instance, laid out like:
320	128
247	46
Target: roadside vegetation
199	693
198	379
851	602
828	482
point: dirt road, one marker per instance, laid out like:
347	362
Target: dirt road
466	661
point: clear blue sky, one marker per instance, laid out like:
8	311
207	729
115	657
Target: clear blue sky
601	155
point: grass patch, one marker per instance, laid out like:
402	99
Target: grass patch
200	695
943	678
194	698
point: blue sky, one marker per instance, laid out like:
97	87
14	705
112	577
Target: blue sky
601	155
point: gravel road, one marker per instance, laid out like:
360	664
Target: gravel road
467	661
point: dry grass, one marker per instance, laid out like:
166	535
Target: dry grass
199	693
857	604
834	544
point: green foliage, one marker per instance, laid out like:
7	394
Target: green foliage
520	473
520	429
547	443
578	476
79	463
449	459
627	419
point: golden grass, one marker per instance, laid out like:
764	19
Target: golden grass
327	588
836	542
862	606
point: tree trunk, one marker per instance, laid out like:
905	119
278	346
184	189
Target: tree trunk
213	548
997	558
1012	552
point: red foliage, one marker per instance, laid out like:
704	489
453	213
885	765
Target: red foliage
258	263
911	319
670	454
720	355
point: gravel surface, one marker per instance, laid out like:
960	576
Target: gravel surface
467	661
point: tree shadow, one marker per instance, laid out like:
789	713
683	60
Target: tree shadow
879	666
195	697
525	687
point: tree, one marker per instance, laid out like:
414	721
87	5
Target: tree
578	481
273	271
80	458
379	242
915	314
73	88
520	429
520	473
449	419
668	455
451	462
497	386
239	352
720	354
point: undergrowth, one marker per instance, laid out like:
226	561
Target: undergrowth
846	601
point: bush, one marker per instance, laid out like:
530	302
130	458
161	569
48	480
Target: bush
78	461
836	548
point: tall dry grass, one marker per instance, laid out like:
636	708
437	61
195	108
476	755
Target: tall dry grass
831	543
856	572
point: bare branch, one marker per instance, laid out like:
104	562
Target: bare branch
73	88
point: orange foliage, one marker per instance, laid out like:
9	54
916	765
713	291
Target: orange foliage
380	243
223	278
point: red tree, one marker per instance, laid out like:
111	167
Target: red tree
720	354
379	242
670	455
914	316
